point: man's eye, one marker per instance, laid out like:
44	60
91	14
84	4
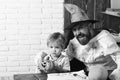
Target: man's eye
81	35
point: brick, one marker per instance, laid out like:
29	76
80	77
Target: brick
18	58
10	11
12	37
32	57
2	16
2	27
57	6
34	10
23	32
11	27
18	69
52	1
32	69
3	69
11	21
12	58
19	47
3	48
23	36
36	26
27	63
52	21
12	31
57	16
28	52
2	5
3	58
11	42
24	69
2	64
2	32
12	69
35	47
35	31
7	43
8	53
34	36
2	37
28	42
53	11
12	15
40	16
12	63
23	27
23	58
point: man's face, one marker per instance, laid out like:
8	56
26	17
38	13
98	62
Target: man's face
83	35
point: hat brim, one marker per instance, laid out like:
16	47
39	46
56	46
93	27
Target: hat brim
72	25
112	13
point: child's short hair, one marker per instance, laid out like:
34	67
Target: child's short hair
58	38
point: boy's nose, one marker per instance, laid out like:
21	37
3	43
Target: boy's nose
53	50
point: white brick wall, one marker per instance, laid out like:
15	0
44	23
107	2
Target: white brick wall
24	27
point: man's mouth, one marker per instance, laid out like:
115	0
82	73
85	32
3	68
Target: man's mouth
82	40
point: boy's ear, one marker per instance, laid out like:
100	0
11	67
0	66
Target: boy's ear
70	8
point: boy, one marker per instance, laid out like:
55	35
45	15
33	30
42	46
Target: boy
53	61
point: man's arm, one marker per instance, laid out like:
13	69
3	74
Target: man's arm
109	44
70	51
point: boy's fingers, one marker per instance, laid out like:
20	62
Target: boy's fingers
43	64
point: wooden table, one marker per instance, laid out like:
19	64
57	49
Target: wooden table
32	76
53	76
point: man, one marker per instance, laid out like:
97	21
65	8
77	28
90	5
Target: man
95	49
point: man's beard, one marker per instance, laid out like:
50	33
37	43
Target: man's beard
84	40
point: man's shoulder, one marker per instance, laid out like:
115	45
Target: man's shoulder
103	34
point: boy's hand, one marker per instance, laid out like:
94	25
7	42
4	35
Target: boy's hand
48	66
43	64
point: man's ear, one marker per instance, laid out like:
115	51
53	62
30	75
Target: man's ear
92	31
71	8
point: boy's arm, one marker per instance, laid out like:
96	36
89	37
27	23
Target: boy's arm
63	66
66	65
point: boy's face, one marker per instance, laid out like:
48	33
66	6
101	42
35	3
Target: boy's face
55	49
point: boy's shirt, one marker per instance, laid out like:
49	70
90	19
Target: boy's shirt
62	64
97	52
